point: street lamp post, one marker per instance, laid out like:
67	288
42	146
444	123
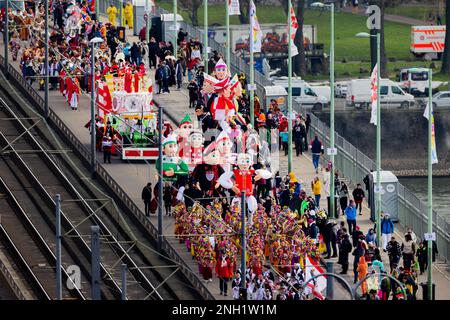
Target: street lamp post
205	34
175	44
430	186
6	36
378	151
93	138
147	21
332	133
227	24
46	74
289	89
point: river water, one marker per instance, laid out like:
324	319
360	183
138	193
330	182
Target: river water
441	192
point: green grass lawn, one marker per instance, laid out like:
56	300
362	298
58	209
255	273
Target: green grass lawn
347	45
346	26
415	12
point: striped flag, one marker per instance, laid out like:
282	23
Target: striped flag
233	8
317	286
374	94
434	158
256	33
293	30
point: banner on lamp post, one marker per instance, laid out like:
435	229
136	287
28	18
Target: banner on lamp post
233	8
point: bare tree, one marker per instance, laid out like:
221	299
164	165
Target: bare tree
192	7
383	63
446	56
299	61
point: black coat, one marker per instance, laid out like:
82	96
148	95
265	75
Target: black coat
147	194
344	250
328	233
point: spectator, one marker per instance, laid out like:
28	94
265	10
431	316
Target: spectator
350	212
394	252
317	190
344	250
358	196
408	251
146	196
387	229
316	149
343	196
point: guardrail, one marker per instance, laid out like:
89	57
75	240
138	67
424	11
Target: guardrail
355	165
102	174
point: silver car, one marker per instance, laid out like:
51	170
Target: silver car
441	99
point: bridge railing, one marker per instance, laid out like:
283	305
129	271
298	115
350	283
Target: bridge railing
355	165
34	97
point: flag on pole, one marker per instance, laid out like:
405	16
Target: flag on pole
104	101
255	29
319	284
293	30
374	95
434	158
233	8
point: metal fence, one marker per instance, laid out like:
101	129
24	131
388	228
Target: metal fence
355	165
34	97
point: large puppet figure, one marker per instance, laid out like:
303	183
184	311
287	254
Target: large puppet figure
195	154
183	132
172	165
207	173
243	179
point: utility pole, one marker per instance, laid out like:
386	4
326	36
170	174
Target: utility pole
95	262
6	37
205	34
378	194
289	89
175	44
160	175
93	125
430	186
243	251
58	248
46	74
252	72
147	21
227	23
332	193
124	281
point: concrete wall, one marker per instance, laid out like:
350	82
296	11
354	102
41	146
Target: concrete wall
403	138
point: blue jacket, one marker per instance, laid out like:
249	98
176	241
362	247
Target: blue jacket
387	226
350	212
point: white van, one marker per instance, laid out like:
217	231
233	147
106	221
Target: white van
303	93
359	93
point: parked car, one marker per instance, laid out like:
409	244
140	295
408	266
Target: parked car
441	99
340	90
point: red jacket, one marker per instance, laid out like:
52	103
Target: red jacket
224	268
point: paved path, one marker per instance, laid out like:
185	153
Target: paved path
133	176
391	17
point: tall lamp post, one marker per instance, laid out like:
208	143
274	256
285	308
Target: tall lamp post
332	153
46	74
205	34
6	36
289	89
430	185
378	152
93	42
175	44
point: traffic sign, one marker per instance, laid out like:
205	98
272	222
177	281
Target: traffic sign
331	151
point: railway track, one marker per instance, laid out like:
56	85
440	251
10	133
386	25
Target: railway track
34	175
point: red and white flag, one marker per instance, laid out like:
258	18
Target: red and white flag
292	20
374	95
104	100
233	8
319	284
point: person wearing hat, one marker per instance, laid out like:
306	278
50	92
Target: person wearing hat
387	229
107	147
172	165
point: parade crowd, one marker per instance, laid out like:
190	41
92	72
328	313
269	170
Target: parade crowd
289	231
